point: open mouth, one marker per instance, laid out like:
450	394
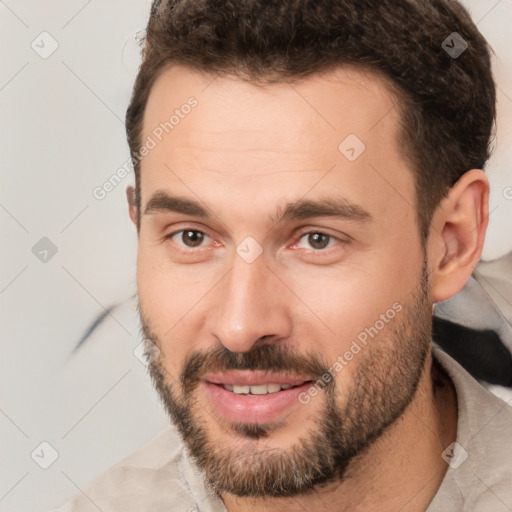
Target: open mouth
254	397
260	389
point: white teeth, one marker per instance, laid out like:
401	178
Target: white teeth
261	389
274	388
241	390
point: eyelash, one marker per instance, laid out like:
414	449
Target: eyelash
294	244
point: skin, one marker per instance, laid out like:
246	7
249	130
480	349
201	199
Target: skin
246	151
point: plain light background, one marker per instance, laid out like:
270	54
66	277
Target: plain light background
62	135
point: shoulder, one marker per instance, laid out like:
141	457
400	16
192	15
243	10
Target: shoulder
479	475
147	479
481	413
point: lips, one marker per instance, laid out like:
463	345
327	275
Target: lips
250	396
255	378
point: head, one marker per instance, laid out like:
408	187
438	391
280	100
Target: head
308	184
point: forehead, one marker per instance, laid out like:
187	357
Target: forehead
343	100
283	137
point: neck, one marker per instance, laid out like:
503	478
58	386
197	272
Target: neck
402	470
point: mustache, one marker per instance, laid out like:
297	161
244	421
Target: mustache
269	357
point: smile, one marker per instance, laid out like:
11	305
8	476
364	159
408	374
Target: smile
261	389
253	396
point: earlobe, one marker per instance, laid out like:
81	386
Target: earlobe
132	206
457	234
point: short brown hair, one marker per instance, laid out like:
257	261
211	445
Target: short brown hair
447	104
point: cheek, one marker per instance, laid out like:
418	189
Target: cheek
163	289
162	307
173	300
154	297
353	304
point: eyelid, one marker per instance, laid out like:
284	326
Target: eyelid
174	232
310	231
340	237
189	225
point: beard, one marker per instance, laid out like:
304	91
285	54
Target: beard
383	384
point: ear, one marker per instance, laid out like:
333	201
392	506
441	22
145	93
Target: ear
457	233
132	205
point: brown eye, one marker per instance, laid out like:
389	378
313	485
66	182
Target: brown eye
188	238
316	241
192	238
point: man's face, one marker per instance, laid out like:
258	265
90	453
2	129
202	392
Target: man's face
300	262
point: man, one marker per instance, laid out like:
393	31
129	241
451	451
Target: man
308	185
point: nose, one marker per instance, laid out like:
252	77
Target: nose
252	304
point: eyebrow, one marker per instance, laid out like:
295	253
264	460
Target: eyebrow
302	209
